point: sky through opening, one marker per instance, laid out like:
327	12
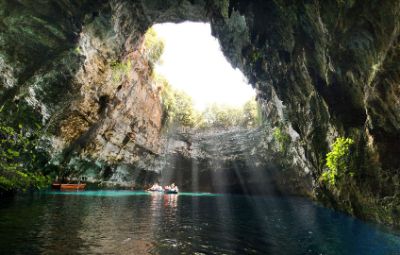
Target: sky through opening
193	62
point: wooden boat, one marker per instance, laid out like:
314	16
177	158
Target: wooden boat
71	186
170	191
155	190
56	185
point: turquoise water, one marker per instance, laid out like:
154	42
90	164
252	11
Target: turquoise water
122	193
130	222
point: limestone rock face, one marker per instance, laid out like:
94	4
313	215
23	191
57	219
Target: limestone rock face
116	119
89	81
322	69
238	160
331	65
119	104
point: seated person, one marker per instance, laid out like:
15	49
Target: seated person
173	188
156	187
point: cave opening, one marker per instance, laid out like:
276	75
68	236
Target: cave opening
205	91
208	105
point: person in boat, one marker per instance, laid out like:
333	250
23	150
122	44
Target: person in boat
172	189
156	187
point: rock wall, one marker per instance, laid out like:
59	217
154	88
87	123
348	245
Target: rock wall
237	160
119	105
322	69
331	64
94	90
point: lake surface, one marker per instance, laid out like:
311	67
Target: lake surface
125	222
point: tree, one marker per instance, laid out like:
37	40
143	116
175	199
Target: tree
178	109
185	115
252	114
153	47
20	157
223	116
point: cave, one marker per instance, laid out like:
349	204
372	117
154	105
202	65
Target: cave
326	75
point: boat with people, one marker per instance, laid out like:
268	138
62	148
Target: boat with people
169	189
172	189
156	188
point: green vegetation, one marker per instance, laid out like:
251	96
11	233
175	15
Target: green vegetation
120	69
185	114
222	6
252	113
22	158
177	106
224	116
78	51
255	56
282	138
153	47
179	111
338	160
19	157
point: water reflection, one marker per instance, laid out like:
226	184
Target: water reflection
171	200
156	200
144	223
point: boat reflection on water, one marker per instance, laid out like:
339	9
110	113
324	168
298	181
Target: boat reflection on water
167	200
171	200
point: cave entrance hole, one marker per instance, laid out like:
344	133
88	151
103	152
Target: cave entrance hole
209	93
217	99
